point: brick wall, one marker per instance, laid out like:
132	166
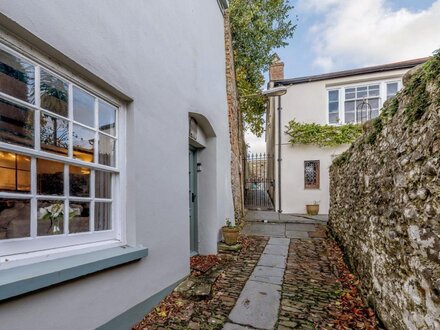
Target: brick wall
238	148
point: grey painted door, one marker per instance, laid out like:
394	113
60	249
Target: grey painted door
193	201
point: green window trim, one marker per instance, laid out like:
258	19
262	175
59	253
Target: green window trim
23	279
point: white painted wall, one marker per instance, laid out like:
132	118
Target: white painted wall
307	103
169	57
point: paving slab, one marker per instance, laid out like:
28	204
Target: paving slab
297	234
268	275
257	305
273	216
277	250
231	326
278	241
270	260
300	227
264	229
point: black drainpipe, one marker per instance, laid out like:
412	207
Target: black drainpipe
279	154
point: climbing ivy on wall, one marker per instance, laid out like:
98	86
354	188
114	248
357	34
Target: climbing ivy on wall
322	135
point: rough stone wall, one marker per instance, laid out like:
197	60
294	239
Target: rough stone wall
385	204
236	134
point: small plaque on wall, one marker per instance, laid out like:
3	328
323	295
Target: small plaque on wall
193	129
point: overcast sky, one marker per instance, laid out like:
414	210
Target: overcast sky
335	35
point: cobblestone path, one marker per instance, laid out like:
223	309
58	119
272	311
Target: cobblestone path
180	312
310	285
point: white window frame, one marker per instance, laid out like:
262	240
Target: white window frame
341	88
17	246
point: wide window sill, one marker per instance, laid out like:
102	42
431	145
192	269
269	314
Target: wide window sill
23	279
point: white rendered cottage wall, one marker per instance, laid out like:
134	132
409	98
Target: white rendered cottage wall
169	57
307	103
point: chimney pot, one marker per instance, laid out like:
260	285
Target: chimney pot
276	69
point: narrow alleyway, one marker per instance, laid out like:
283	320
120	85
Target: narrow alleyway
288	275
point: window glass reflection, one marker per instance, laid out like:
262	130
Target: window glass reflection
17	77
103	216
107	118
14	218
79	178
79	217
16	124
83	143
54	93
83	107
15	173
106	150
54	134
50	177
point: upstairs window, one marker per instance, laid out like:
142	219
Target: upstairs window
355	109
58	160
333	106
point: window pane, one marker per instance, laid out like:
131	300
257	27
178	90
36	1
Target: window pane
79	217
83	107
15	175
333	107
106	150
16	124
50	219
79	181
373	91
15	220
349	117
54	134
103	216
333	95
374	113
374	103
83	143
50	177
361	92
54	94
103	184
391	90
333	118
349	106
350	93
311	174
17	77
107	118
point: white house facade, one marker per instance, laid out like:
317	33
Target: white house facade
114	156
334	99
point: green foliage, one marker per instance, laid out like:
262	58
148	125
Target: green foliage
419	99
322	135
258	27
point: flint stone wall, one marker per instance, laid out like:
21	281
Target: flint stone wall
385	206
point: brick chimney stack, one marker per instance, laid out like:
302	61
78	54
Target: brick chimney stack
276	69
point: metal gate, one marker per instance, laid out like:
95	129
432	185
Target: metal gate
259	183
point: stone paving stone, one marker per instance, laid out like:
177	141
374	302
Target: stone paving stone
278	241
309	286
268	275
300	227
231	326
297	234
264	229
257	305
270	260
277	250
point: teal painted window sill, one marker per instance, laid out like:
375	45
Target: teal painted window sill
23	279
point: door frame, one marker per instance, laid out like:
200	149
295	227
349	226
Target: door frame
193	204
